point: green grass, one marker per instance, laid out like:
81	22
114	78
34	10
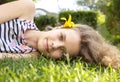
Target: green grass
50	70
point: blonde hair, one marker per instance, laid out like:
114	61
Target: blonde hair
95	49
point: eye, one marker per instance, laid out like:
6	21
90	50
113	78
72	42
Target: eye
63	51
61	37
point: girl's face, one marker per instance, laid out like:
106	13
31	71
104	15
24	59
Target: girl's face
56	43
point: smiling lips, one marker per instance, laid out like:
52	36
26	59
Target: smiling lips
47	46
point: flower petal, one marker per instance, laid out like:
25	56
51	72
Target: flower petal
69	19
63	18
68	23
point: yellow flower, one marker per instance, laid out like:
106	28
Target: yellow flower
68	23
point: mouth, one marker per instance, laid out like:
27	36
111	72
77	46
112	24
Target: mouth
47	46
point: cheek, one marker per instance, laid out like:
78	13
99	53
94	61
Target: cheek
55	54
53	35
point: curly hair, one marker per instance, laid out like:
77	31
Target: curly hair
94	48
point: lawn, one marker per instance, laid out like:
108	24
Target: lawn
50	70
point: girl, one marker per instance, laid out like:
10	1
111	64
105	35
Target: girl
20	36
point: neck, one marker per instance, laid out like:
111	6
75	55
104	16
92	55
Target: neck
32	37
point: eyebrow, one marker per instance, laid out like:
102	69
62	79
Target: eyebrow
64	36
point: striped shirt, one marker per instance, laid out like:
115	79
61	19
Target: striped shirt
12	36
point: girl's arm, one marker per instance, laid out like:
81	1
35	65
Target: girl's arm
23	9
19	55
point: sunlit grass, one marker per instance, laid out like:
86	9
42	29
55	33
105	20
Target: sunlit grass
49	70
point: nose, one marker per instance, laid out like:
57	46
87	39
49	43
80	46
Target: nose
57	44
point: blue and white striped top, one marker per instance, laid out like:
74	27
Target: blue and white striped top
12	36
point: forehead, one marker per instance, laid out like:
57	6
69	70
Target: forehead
72	42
